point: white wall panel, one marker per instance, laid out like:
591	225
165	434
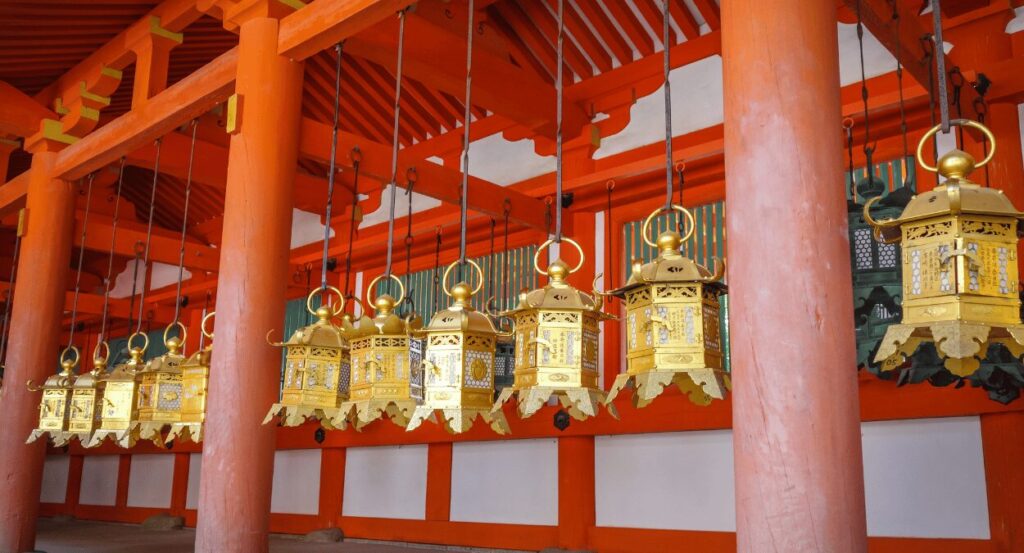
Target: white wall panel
195	468
55	479
99	480
513	482
925	478
675	481
296	482
386	482
150	481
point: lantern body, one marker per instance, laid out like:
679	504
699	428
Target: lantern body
160	393
459	367
556	348
960	278
387	372
195	377
316	368
54	406
86	396
119	415
673	332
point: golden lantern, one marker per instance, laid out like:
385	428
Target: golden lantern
556	336
119	413
316	367
195	377
959	249
672	323
459	363
387	372
53	407
86	395
160	388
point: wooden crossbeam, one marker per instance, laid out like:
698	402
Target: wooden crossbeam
20	115
164	246
323	23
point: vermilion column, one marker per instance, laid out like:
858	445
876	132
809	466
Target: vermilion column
238	451
799	477
32	354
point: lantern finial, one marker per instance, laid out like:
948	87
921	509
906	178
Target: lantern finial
956	164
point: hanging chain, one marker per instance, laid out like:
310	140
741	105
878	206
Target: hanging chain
184	221
680	170
928	46
869	149
10	288
505	269
899	77
437	268
357	158
666	45
558	118
149	233
333	166
848	128
394	142
410	183
81	258
467	116
110	261
309	288
940	65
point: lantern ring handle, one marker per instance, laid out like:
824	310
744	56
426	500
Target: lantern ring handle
202	326
548	242
369	289
958	123
101	355
645	229
184	331
336	309
145	343
64	355
471	263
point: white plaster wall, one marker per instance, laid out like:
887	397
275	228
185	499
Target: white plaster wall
386	482
296	486
925	478
55	479
165	275
99	480
676	481
150	480
511	482
307	228
195	468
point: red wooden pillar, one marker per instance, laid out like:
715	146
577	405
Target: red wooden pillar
238	451
32	354
799	476
576	496
439	481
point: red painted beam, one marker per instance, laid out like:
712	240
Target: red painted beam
323	23
20	115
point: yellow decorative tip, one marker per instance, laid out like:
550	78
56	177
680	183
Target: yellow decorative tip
558	270
323	313
462	293
384	303
173	344
956	164
669	241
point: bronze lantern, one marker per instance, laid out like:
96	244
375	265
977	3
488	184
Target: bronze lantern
672	323
195	376
316	368
459	363
556	337
53	407
119	414
960	277
87	395
160	388
387	372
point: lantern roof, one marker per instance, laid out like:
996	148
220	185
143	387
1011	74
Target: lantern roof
386	321
168	362
321	333
460	315
558	294
670	266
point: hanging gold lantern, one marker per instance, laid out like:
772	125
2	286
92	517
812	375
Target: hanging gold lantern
556	330
119	414
53	407
672	323
195	377
387	372
459	363
86	395
960	277
160	388
316	368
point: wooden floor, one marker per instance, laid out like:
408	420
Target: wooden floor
76	536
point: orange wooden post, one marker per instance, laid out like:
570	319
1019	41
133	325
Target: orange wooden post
32	355
439	481
796	422
1002	437
576	496
238	451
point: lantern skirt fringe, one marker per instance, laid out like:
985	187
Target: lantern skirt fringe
125	438
457	421
960	344
581	403
185	432
294	415
59	438
700	385
362	412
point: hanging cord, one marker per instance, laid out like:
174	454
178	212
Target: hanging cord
437	269
609	187
149	234
184	221
666	49
10	289
110	261
505	269
928	46
333	166
956	79
869	148
411	177
309	288
680	170
490	260
467	116
558	117
940	65
357	158
899	80
81	258
848	128
981	109
394	142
